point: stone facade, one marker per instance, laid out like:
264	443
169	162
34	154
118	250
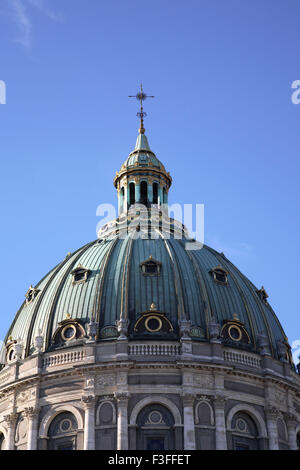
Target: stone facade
208	399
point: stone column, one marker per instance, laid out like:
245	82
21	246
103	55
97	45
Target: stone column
272	414
160	195
11	420
221	440
291	421
122	423
189	421
32	415
89	422
150	193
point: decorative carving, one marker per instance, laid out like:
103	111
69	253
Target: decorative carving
122	397
22	397
92	329
282	350
31	294
31	412
18	348
203	398
11	419
109	332
122	326
241	426
90	382
263	345
105	380
205	381
38	342
272	412
279	396
219	401
184	326
155	418
88	401
214	331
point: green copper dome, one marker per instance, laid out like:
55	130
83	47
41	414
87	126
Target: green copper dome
116	285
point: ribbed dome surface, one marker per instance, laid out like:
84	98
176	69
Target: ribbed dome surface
116	285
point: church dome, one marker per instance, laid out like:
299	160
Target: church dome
125	278
146	339
195	285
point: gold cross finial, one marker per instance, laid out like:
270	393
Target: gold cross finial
141	96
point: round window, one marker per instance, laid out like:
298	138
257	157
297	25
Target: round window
65	425
155	417
235	333
153	324
11	356
68	333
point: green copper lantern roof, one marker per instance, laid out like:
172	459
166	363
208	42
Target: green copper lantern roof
142	143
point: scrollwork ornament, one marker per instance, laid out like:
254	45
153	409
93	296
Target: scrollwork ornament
10	418
219	401
214	331
272	412
122	397
88	401
31	412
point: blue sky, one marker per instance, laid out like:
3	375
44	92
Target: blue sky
222	122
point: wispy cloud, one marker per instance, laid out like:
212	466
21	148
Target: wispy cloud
21	12
233	250
42	6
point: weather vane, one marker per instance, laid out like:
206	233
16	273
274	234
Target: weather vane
141	96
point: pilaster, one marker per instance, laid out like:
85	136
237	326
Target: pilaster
11	420
219	404
272	415
89	422
122	423
189	421
32	415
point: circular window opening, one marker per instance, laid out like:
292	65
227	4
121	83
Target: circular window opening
235	333
68	333
65	425
155	417
153	324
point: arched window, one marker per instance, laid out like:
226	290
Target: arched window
204	414
155	193
144	193
155	428
122	193
2	438
131	194
244	432
63	432
164	196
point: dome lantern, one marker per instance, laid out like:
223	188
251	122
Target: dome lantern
142	178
